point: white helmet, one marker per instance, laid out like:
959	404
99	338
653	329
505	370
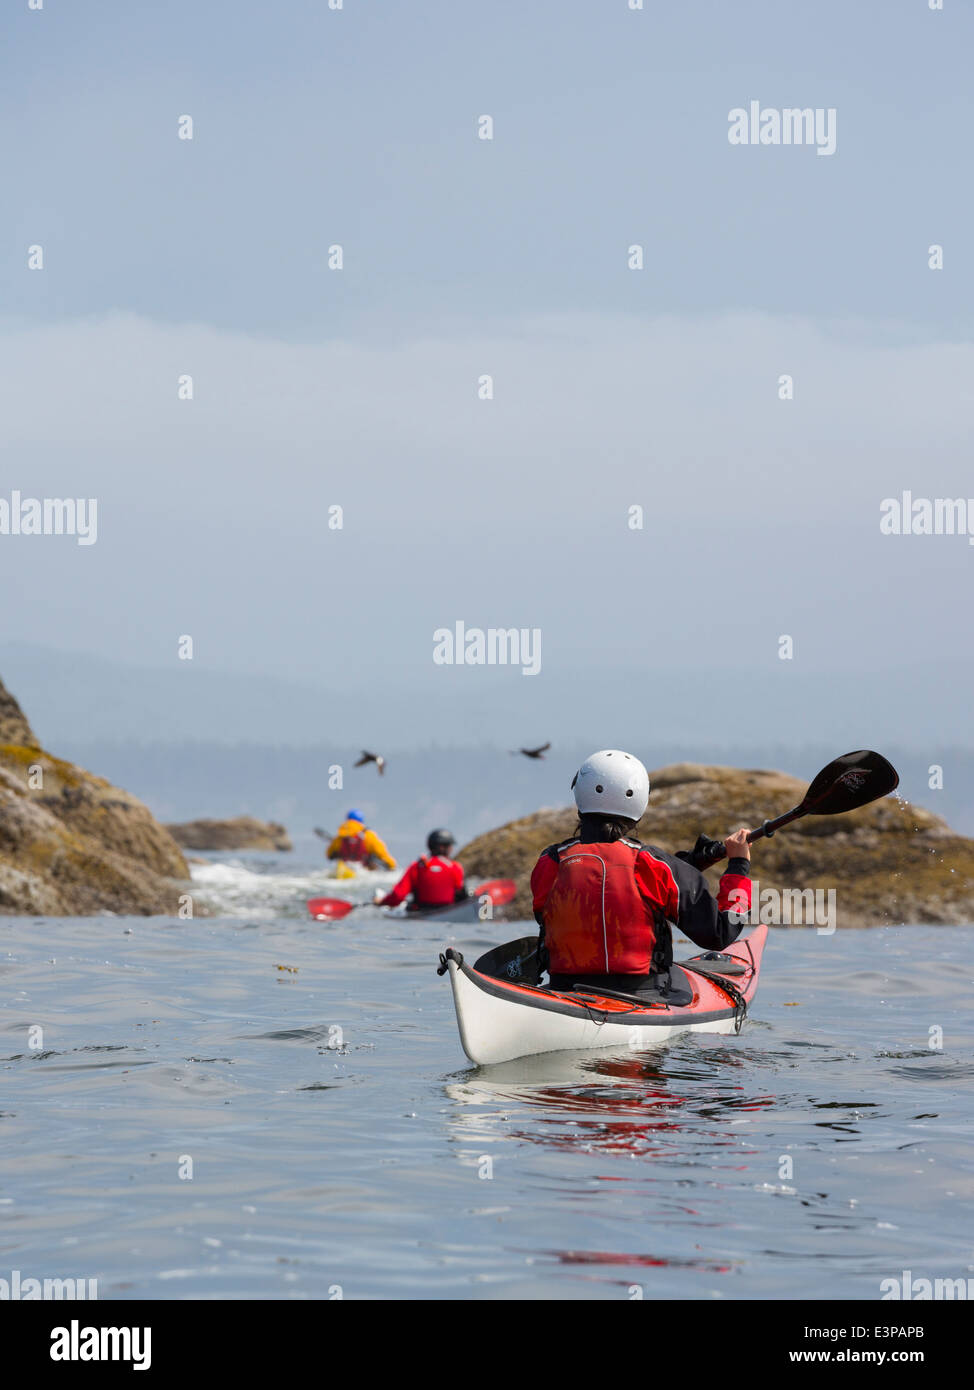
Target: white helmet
613	783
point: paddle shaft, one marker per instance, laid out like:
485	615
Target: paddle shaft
769	827
763	832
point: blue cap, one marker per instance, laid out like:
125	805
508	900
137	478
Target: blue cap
355	815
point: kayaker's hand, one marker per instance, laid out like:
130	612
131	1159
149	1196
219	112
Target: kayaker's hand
701	856
737	846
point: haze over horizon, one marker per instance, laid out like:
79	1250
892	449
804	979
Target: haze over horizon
76	696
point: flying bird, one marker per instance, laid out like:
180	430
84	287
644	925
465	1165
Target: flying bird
372	758
532	752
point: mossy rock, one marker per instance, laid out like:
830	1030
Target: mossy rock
241	832
71	843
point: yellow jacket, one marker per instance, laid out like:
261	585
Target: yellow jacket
368	847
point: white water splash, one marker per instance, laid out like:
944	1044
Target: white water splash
235	888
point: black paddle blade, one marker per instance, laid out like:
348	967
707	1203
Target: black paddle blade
851	781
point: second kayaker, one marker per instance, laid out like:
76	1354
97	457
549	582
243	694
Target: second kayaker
433	880
356	844
606	903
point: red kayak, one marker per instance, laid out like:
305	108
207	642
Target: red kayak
477	907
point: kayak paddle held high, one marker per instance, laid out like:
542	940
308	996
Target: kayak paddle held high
851	781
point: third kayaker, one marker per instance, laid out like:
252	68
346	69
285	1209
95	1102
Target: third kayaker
356	844
606	903
433	880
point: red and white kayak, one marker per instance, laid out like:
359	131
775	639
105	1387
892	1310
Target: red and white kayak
478	907
501	1016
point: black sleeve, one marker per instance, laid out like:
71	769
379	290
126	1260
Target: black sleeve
699	918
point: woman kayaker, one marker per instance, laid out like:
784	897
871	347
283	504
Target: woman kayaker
434	880
354	844
606	903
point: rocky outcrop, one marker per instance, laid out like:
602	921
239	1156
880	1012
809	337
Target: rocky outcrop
71	844
889	863
243	832
13	723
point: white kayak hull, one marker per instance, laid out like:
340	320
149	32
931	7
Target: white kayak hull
500	1022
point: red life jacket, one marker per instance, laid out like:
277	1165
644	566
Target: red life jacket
596	921
353	849
435	881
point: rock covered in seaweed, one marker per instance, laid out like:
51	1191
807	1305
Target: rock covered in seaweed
71	844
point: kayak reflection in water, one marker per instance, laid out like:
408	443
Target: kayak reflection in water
606	903
354	844
433	880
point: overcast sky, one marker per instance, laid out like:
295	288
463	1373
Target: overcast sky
463	257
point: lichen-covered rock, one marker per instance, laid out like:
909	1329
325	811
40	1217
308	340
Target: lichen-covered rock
888	863
242	832
71	844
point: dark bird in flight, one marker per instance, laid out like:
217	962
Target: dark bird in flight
532	752
372	758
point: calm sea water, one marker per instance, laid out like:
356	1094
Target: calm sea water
310	1077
